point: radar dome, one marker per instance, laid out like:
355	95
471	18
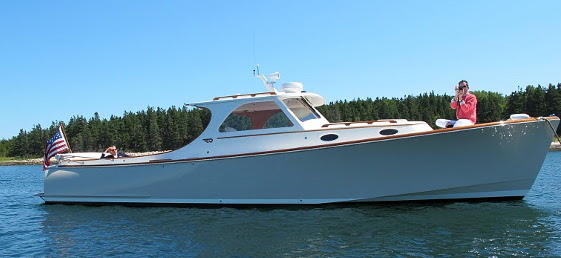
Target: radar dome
292	87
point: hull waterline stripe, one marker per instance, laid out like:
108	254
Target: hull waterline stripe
188	202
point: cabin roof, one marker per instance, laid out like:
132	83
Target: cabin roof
315	99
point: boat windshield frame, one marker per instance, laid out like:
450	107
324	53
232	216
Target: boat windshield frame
301	108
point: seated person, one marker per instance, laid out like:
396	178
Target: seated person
109	153
465	105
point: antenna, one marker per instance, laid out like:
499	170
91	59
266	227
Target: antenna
254	56
269	84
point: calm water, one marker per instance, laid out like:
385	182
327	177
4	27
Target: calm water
531	227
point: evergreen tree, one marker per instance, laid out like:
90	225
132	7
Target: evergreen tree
516	102
175	126
37	141
116	133
536	104
154	140
183	127
99	138
136	131
553	100
194	125
491	106
21	146
79	135
5	147
413	107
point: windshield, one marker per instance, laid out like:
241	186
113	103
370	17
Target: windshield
301	108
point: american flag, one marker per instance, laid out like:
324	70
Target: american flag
57	144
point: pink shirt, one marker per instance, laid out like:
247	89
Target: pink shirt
467	108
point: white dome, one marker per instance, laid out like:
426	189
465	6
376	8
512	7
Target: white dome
519	116
292	87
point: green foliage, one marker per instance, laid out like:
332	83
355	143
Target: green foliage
5	147
8	159
490	106
426	107
278	120
154	129
159	129
21	146
154	140
536	101
238	122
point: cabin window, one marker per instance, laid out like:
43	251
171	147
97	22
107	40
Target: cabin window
301	108
252	116
388	132
329	137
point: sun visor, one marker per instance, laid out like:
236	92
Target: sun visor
314	99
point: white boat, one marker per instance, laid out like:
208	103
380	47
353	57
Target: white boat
276	148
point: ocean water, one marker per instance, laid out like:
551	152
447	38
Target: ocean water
529	227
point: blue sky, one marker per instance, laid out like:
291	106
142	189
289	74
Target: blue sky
64	58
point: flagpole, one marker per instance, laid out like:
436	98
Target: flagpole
65	138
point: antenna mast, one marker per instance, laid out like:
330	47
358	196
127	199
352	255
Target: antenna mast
270	85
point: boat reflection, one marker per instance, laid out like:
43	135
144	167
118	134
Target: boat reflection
456	229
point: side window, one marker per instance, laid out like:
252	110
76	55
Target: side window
258	115
301	109
278	120
235	122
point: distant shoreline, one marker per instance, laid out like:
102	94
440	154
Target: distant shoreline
555	146
39	161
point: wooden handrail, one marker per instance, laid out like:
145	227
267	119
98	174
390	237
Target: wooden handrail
245	95
360	122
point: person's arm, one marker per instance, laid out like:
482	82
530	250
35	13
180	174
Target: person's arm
456	99
454	103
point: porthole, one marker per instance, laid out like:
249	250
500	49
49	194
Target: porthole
329	137
388	132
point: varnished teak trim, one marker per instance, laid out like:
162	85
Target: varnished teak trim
245	95
360	122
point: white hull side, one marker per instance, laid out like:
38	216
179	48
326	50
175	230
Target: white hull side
480	162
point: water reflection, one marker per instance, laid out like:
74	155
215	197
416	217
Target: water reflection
504	228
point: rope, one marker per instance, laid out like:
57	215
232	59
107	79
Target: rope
551	126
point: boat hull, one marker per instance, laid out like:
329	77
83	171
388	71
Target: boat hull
495	161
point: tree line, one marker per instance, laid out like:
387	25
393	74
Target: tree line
169	129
